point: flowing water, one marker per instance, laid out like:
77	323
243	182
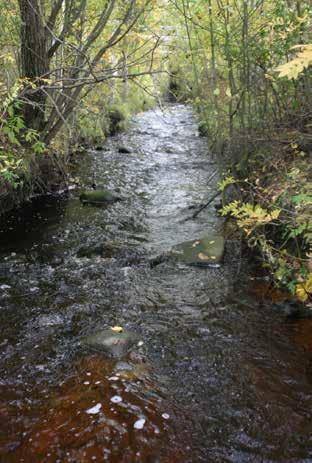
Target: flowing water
221	376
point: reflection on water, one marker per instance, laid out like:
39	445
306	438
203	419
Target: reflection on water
221	376
102	413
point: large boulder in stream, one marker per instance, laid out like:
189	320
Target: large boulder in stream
203	252
114	344
99	197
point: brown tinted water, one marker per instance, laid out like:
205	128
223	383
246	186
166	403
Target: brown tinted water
223	375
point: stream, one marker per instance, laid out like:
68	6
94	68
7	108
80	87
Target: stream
221	373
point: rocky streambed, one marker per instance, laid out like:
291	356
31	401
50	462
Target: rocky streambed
208	366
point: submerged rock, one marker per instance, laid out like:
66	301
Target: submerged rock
99	197
154	261
293	310
107	250
203	252
110	342
124	150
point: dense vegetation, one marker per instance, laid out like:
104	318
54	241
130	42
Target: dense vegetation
72	71
247	67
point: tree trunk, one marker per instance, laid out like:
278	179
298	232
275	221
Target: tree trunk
34	63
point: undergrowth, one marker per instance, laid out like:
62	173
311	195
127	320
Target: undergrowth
275	210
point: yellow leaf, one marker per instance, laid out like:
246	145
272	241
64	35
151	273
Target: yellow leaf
303	290
117	329
228	92
301	293
294	67
269	77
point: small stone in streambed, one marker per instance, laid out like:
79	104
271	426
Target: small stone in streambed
107	250
111	343
202	252
218	206
293	310
4	287
94	410
139	424
116	399
124	150
136	357
157	260
123	366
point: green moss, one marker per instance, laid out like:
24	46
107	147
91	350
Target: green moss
98	197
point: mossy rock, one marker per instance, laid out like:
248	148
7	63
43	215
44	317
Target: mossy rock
112	343
203	252
99	197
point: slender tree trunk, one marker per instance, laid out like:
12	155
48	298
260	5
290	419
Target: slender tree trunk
34	63
213	65
185	7
125	74
229	60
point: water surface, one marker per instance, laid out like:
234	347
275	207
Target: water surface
221	376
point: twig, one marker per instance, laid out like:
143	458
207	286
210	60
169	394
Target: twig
206	204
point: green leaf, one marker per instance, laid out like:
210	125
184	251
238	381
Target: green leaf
302	198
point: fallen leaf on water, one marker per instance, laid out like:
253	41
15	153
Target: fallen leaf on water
117	329
196	243
211	242
202	256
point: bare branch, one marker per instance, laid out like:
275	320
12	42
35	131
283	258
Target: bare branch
56	8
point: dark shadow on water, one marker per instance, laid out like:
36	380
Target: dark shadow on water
29	223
